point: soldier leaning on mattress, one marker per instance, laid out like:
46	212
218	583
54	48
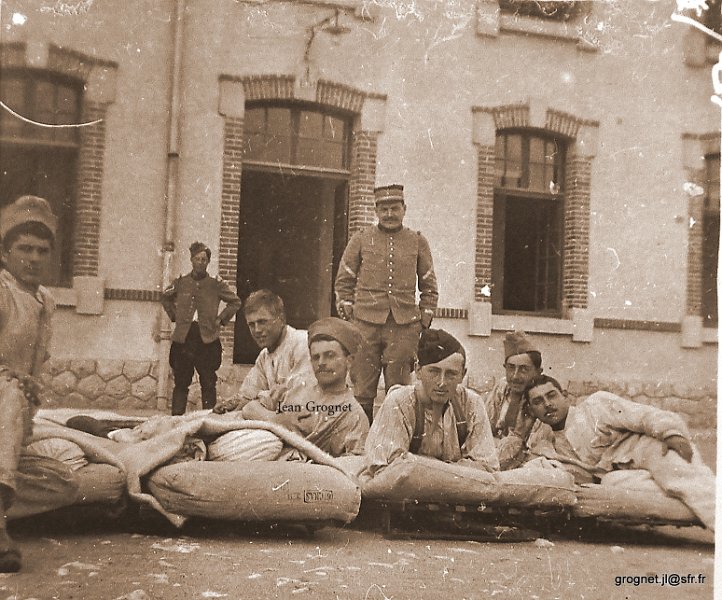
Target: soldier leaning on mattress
283	359
322	409
27	228
605	433
510	420
437	416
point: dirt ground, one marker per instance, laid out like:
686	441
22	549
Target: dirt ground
84	556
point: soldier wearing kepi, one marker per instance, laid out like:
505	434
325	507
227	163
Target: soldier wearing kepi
376	289
27	228
192	302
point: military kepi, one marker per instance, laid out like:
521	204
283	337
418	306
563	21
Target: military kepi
516	342
389	193
345	333
436	345
27	209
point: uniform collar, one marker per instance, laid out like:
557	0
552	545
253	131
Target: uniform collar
11	280
386	230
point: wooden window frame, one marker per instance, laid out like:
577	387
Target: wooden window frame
296	109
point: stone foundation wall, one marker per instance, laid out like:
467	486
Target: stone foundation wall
132	384
120	384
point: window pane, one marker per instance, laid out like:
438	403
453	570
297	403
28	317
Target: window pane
334	129
44	98
712	198
710	252
310	125
279	121
536	177
254	120
710	239
67	100
12	92
275	148
513	147
536	150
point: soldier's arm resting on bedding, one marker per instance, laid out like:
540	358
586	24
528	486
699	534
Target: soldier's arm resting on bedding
479	449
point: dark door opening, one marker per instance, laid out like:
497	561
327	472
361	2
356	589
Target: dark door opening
292	232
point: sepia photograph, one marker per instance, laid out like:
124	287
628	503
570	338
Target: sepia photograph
359	299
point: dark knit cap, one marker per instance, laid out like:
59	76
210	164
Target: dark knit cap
436	344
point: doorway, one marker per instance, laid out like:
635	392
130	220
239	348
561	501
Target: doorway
292	232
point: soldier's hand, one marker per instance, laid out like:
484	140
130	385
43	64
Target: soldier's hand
524	422
31	386
293	421
276	396
225	405
426	317
345	310
680	445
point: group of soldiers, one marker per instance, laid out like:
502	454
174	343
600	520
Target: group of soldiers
322	383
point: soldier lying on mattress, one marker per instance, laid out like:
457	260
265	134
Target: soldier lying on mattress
436	417
510	420
323	410
604	433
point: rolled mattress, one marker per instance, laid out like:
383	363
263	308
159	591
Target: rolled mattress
426	480
256	491
631	496
99	482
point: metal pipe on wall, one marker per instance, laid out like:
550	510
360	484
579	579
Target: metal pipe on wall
171	201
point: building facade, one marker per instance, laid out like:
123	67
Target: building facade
562	158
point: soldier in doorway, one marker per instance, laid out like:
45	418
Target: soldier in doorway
376	289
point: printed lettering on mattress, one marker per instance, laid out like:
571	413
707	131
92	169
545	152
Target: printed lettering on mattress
315	496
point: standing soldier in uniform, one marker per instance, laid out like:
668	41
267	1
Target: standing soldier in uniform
376	288
191	302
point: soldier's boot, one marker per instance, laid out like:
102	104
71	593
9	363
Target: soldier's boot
179	401
10	558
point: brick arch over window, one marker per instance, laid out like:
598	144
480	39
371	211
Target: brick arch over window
98	77
581	135
368	110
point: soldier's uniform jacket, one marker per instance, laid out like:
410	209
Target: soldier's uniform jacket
379	271
187	295
25	325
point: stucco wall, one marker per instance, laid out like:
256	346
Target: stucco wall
635	85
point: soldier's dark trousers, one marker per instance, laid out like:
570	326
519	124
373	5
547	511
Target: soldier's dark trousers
390	348
194	355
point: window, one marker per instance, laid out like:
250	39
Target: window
296	136
543	9
710	240
42	160
528	223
